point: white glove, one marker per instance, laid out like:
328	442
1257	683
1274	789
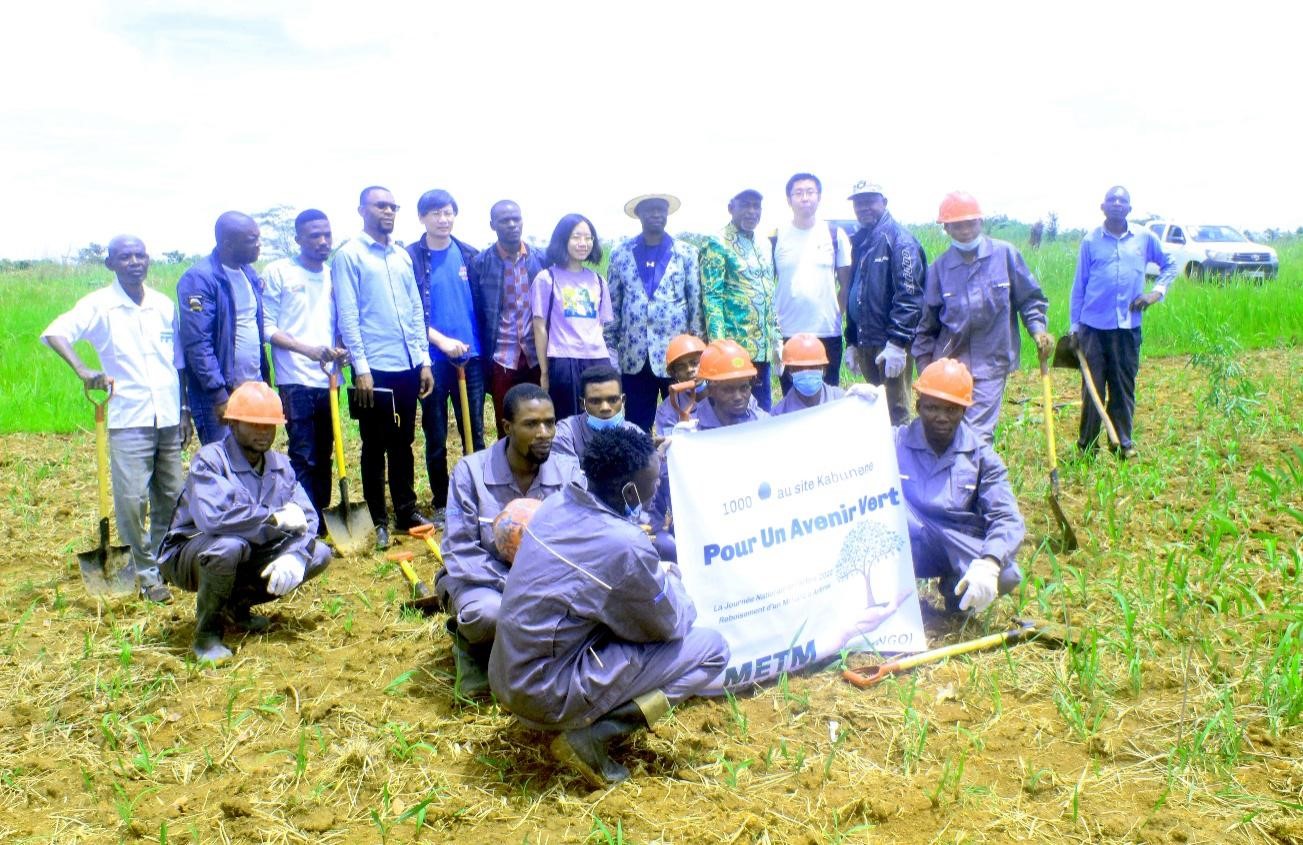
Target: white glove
868	392
291	519
852	360
979	585
892	360
284	573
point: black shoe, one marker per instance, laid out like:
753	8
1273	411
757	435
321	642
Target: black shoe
409	521
586	750
438	515
157	593
382	536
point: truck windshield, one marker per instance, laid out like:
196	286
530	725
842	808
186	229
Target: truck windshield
1222	234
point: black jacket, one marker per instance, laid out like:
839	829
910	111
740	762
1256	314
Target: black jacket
420	254
486	293
886	297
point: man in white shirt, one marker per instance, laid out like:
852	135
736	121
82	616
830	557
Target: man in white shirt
813	265
132	328
299	322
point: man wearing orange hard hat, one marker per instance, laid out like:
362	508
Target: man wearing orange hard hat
244	531
682	357
975	293
728	372
804	360
964	522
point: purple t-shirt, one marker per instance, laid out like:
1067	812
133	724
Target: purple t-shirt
579	304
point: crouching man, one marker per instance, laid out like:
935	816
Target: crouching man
520	465
595	637
964	523
244	531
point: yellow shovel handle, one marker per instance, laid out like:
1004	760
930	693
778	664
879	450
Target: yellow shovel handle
1049	413
334	422
102	448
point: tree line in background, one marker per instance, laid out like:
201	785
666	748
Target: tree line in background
277	224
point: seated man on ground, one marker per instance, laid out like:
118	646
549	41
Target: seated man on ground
964	523
602	390
244	531
520	465
596	637
804	360
682	357
729	373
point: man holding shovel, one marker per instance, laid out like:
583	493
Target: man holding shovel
299	320
132	328
244	531
1108	300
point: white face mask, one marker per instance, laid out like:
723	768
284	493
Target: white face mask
966	246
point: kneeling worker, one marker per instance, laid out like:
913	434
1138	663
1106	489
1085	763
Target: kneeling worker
596	637
729	374
804	360
520	465
682	357
964	523
244	531
602	388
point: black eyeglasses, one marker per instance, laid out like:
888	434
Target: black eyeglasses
386	206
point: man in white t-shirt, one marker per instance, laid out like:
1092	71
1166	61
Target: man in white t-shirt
132	328
812	260
299	322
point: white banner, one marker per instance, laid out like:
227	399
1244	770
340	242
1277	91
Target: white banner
793	540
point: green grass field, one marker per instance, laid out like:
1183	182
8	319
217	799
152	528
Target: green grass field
38	392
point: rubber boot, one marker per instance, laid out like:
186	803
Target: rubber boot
214	590
471	662
587	750
238	615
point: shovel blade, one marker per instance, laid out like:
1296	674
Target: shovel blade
1064	357
107	571
350	528
1069	536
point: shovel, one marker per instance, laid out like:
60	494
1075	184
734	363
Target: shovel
349	525
1069	356
105	570
423	598
465	410
678	401
426	533
1069	536
1024	630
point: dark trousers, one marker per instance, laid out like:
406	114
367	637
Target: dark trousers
832	374
563	383
434	419
386	441
228	555
762	389
502	379
1114	359
897	388
311	441
643	392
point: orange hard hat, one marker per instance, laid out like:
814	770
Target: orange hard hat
958	206
255	402
509	526
948	379
683	344
804	350
724	360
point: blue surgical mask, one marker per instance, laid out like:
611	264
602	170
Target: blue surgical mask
599	424
632	504
700	390
967	246
807	382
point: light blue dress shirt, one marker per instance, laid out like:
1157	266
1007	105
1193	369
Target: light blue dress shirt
1111	274
379	309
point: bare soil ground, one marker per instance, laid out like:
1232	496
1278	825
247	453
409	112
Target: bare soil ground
1176	720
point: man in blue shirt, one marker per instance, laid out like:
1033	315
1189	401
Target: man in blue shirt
1108	299
443	267
382	325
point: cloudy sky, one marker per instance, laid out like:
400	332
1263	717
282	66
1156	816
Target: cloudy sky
154	117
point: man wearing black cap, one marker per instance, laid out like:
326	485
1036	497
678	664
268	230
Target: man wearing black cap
737	286
888	269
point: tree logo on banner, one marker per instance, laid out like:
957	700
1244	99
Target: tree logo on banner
865	545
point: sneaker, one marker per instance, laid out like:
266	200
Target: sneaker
382	536
157	593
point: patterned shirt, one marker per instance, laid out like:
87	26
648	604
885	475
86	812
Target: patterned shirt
514	334
737	286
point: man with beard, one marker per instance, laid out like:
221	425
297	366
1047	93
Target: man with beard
737	289
299	320
882	312
521	465
220	323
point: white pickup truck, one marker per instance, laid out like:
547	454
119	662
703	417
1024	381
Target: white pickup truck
1212	250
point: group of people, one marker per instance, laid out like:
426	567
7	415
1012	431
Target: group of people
589	631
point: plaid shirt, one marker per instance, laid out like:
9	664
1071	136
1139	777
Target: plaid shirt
737	286
514	337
